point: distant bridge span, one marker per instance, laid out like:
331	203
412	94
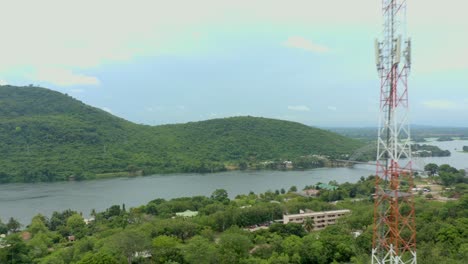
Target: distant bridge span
348	163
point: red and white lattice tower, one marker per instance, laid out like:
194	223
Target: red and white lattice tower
394	239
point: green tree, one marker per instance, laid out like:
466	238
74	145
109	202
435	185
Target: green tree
447	168
179	228
98	258
277	258
128	242
52	259
39	245
166	249
38	225
59	219
288	229
292	245
313	250
83	246
463	250
16	253
233	247
309	224
243	165
13	225
220	195
200	250
114	210
76	225
3	228
338	242
431	168
447	178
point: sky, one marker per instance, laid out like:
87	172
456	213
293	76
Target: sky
159	62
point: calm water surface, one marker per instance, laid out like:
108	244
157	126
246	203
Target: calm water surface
23	200
457	159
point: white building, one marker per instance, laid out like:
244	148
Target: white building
321	219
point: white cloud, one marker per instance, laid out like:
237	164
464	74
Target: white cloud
442	104
439	43
2	82
107	109
53	32
301	108
302	43
332	108
63	77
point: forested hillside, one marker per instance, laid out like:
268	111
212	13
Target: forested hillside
48	136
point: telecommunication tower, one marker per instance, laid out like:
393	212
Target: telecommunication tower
394	238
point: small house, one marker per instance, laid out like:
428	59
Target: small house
187	213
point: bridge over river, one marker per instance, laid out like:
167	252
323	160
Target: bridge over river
350	163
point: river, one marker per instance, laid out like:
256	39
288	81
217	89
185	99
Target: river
457	158
24	200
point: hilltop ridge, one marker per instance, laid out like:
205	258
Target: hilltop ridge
47	136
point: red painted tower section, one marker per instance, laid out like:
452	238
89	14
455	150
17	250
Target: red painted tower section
394	238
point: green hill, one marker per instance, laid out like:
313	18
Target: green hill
47	136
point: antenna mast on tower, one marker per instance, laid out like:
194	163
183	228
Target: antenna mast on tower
394	238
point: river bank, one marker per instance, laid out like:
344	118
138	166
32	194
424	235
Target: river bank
24	200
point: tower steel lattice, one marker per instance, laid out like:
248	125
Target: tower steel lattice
394	238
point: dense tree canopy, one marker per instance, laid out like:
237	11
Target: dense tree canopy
429	151
152	234
48	136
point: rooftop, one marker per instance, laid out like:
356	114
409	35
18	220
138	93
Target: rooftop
320	213
187	213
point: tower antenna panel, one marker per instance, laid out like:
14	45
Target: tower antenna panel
394	232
